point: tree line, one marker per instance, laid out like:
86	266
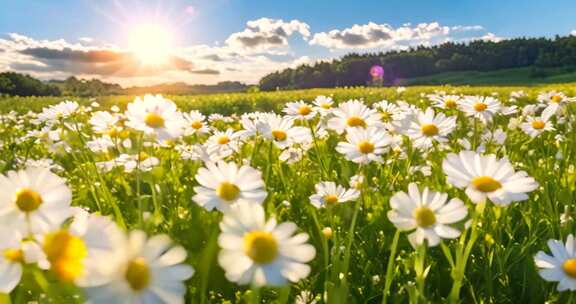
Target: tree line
353	69
16	84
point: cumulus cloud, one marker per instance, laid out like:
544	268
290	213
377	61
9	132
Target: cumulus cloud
373	35
573	33
44	57
266	34
491	37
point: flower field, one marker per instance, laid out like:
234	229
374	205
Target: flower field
357	195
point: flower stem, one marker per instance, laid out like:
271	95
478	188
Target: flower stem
390	267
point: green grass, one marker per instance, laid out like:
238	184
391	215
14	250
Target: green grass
273	101
365	255
506	77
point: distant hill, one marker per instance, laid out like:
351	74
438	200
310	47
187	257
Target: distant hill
538	58
16	84
180	88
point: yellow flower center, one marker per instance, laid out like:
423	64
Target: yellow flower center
365	147
424	217
429	130
14	255
260	246
154	120
355	121
66	254
222	140
556	98
138	274
486	184
27	200
196	124
279	135
142	156
386	116
330	199
325	106
479	107
228	191
538	124
114	132
569	267
304	110
450	103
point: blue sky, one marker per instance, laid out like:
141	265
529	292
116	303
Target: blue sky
206	28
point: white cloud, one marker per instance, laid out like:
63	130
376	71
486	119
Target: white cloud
491	37
573	33
266	34
373	35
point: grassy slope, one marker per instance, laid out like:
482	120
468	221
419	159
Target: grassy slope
274	101
519	76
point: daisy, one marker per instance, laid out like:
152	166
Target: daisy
223	144
486	177
353	114
195	123
105	123
300	110
33	200
155	115
446	102
282	132
483	108
84	252
323	105
147	270
14	253
223	184
561	265
364	145
424	128
428	213
259	252
554	99
329	194
535	126
58	111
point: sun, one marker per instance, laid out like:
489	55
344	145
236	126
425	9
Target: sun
152	44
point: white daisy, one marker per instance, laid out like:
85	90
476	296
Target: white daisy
364	145
554	99
323	105
426	127
105	123
155	115
535	126
148	270
329	194
33	201
195	123
223	143
259	252
353	114
84	252
486	177
561	265
282	132
446	102
428	213
14	253
483	108
223	184
300	110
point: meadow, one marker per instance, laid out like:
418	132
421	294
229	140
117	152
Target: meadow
426	194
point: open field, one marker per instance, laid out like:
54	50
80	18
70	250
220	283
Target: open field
428	194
